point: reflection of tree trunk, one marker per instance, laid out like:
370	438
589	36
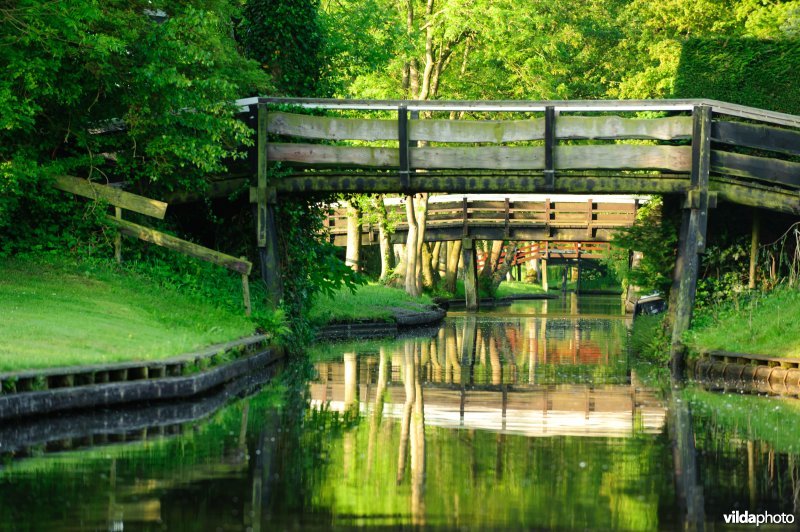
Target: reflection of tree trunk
353	253
689	490
494	357
467	346
451	347
377	413
410	391
417	450
436	350
453	258
350	381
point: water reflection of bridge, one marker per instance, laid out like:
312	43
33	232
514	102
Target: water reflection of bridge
504	379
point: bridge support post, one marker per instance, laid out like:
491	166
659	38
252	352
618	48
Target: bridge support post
692	239
543	268
266	230
470	274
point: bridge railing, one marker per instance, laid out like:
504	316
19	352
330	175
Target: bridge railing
517	146
590	217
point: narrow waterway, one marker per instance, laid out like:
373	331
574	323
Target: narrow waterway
528	416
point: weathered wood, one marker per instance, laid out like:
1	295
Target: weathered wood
270	263
628	184
261	173
754	236
761	168
112	195
611	157
614	127
758	136
246	292
180	245
484	131
757	197
695	224
118	238
470	274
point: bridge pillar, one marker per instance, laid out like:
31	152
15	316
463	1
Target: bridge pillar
543	269
266	229
470	274
692	238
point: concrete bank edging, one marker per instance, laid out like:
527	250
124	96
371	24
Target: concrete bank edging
378	329
30	403
747	372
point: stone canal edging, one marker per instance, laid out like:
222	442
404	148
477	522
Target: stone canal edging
403	319
36	392
746	372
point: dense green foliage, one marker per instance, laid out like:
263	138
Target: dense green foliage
285	37
162	76
655	236
758	73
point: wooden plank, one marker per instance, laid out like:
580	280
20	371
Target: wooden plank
484	131
320	155
615	127
112	195
330	128
466	184
756	136
487	131
761	168
605	157
756	197
182	246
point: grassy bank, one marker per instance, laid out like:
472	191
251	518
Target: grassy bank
763	324
372	301
59	312
506	289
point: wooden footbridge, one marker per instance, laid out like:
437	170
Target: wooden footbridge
704	150
519	217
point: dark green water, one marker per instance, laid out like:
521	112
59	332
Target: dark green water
524	417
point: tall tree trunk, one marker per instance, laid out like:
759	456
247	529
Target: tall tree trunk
353	253
427	268
436	252
412	251
503	269
492	259
421	211
453	258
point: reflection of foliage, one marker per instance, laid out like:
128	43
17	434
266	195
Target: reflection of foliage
655	237
649	339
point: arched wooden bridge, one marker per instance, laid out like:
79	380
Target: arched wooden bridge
706	150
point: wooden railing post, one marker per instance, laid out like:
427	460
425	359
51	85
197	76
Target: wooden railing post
470	274
693	238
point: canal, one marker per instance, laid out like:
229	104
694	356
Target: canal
528	416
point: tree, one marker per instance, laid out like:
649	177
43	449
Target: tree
140	92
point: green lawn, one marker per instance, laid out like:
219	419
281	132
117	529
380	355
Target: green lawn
506	289
765	324
370	301
59	313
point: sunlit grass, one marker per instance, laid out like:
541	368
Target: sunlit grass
506	289
763	324
56	312
372	301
